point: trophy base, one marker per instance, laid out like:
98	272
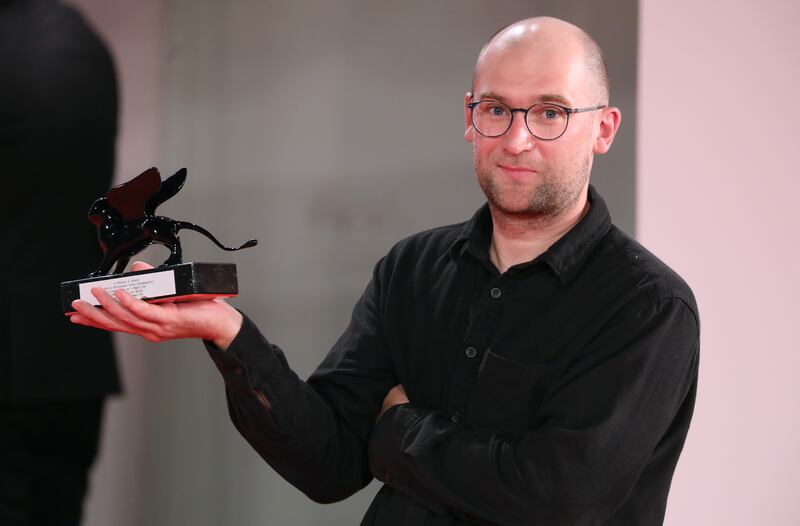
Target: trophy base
174	283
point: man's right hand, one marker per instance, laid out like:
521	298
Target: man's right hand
396	396
213	320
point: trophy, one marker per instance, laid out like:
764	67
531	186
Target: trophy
126	224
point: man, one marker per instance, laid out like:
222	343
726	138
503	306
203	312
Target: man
533	365
58	123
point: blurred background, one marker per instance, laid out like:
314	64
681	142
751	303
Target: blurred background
329	130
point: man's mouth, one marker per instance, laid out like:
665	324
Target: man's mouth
516	172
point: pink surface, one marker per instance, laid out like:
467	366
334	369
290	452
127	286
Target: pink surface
718	161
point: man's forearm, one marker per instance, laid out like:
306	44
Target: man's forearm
287	422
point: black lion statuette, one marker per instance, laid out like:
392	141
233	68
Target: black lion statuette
127	224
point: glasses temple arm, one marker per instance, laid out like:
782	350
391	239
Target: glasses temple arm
581	110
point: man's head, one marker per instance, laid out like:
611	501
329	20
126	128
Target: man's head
535	61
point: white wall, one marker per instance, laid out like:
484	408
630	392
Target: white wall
717	199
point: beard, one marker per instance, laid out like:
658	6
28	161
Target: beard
556	192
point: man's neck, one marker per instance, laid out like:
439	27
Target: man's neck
518	239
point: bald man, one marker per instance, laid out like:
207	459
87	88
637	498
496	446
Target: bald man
533	365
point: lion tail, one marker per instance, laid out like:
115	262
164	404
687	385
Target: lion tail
197	228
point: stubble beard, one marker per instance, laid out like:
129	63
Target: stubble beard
556	194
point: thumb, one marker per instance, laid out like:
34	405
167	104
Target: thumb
140	265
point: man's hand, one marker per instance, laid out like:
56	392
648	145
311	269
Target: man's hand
396	396
209	320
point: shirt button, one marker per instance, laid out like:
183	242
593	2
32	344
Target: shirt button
471	352
238	371
495	292
456	417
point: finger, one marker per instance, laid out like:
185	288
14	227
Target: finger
93	317
88	322
82	320
108	318
116	315
140	265
125	316
142	309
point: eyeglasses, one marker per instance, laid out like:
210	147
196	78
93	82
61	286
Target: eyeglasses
545	121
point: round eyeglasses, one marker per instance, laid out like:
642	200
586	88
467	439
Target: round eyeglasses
545	121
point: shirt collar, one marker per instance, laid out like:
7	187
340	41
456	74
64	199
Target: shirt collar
565	257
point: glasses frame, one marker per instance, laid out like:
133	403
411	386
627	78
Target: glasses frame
568	111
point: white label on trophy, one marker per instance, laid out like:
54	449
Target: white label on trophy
150	285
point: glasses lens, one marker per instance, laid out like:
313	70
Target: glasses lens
491	118
547	121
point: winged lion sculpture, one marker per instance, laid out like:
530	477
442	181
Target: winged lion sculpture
126	221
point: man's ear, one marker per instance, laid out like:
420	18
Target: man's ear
609	124
468	131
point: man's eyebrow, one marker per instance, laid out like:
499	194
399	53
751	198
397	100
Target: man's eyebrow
548	97
491	95
552	97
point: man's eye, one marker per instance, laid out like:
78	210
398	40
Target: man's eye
497	111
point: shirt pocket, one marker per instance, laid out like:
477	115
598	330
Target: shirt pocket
503	394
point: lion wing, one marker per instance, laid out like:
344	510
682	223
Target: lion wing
169	188
130	198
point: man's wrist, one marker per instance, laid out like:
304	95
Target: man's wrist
228	329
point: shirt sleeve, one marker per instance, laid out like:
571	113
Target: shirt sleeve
314	433
586	448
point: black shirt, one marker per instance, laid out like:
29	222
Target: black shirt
557	393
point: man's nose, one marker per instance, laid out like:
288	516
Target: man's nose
518	138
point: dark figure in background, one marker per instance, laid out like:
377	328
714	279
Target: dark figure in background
58	122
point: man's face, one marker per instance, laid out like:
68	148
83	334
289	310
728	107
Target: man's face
518	173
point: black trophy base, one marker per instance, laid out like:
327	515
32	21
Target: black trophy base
184	282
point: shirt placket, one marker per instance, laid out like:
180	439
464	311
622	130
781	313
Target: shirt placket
475	343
